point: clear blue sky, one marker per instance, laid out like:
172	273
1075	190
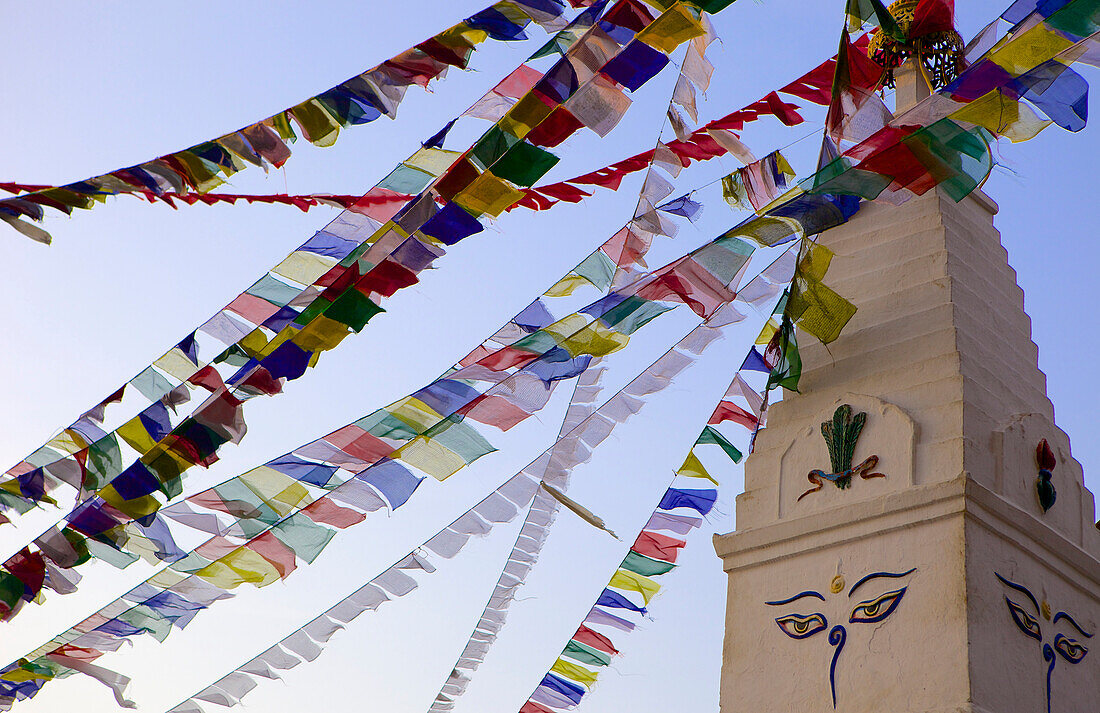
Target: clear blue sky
92	87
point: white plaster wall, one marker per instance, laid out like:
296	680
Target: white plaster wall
915	660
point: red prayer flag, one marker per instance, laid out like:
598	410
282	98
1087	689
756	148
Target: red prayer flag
271	549
494	411
658	546
729	411
773	104
386	278
326	512
357	443
599	642
932	16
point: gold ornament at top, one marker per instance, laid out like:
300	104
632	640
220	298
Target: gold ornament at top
940	54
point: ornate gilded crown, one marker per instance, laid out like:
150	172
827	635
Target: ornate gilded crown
939	54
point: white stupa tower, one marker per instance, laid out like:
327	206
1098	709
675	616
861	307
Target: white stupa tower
946	586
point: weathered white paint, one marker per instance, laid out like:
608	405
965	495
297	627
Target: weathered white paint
940	357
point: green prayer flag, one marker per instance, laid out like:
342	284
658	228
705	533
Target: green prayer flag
316	307
586	654
597	268
523	164
645	566
713	437
11	589
724	258
353	308
406	179
491	147
383	424
245	504
151	384
461	438
234	355
148	619
305	537
788	369
632	314
273	290
104	462
116	558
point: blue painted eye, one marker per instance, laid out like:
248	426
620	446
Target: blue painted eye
1025	621
798	626
877	609
1069	649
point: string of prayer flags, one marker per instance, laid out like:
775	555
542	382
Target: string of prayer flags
652	555
307	642
364	262
359	100
535	530
711	140
219	565
759	183
601	270
408	433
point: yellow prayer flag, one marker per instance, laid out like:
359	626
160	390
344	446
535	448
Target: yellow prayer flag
177	364
633	582
1026	51
524	115
239	566
488	194
1003	116
692	468
415	412
815	262
461	34
319	127
574	672
566	326
253	343
167	578
281	336
825	312
432	160
141	545
431	457
68	442
278	491
135	508
20	675
135	435
566	285
304	268
767	332
321	334
595	340
675	26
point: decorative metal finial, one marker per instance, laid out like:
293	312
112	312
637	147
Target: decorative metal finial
939	53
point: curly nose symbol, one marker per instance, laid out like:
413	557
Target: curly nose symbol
837	636
1048	656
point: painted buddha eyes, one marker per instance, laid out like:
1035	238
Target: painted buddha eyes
1069	649
803	626
877	609
799	626
1025	621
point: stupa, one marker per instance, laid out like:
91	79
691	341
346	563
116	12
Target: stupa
915	535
